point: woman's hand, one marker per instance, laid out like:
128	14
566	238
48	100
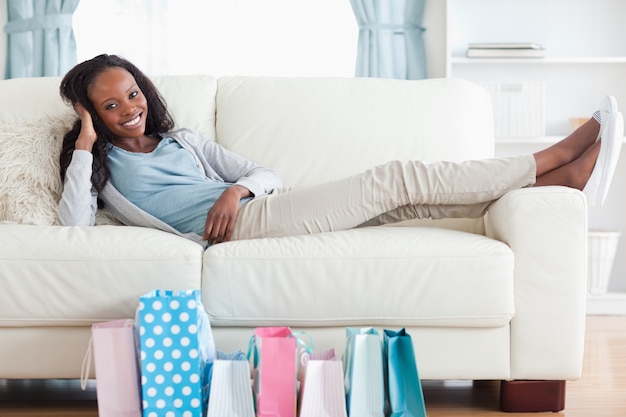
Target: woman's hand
87	136
220	220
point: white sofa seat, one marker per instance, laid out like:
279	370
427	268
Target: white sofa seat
384	276
76	276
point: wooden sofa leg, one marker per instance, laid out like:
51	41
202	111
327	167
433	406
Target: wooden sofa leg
532	396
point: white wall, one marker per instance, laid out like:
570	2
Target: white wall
223	37
3	38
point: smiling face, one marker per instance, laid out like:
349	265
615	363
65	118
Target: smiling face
120	103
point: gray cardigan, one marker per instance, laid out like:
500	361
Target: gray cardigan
78	203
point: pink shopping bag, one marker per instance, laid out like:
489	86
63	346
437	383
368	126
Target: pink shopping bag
274	361
117	372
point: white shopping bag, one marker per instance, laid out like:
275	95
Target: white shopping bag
322	393
231	388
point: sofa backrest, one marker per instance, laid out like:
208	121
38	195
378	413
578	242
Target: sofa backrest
308	129
318	129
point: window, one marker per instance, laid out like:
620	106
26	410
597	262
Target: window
222	37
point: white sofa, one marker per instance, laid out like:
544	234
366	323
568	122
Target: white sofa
496	298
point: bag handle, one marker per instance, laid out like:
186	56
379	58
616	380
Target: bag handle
86	366
250	346
308	348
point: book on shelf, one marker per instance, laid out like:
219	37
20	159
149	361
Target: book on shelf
505	50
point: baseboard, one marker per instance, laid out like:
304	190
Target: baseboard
609	304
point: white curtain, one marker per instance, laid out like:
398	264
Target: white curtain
40	37
391	43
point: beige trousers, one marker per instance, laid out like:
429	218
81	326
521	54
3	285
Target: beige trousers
388	193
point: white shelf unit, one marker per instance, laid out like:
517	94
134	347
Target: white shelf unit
541	141
585	59
539	61
585	55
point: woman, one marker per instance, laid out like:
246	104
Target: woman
123	152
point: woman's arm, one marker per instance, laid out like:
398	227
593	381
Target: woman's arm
234	168
79	201
219	162
220	219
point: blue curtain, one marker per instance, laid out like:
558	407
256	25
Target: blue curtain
391	43
40	38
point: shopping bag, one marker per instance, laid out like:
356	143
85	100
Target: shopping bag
112	346
363	373
404	393
231	388
176	346
321	392
273	350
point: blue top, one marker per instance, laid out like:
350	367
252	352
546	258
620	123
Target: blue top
167	184
79	201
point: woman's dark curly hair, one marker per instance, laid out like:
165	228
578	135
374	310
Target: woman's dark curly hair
74	89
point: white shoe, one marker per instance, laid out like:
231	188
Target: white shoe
608	106
611	136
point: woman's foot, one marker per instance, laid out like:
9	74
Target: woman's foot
593	171
575	174
574	145
569	149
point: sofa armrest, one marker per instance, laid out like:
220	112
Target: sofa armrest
546	227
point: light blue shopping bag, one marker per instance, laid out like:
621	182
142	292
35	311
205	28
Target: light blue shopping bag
403	388
363	373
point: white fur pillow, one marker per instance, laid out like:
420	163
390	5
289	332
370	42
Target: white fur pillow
30	183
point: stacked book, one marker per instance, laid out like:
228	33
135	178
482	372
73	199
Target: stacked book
505	50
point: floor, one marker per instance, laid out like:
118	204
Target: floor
601	392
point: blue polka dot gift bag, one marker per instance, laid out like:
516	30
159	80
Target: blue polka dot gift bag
176	349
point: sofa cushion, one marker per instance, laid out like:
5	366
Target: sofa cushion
30	185
75	276
387	276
